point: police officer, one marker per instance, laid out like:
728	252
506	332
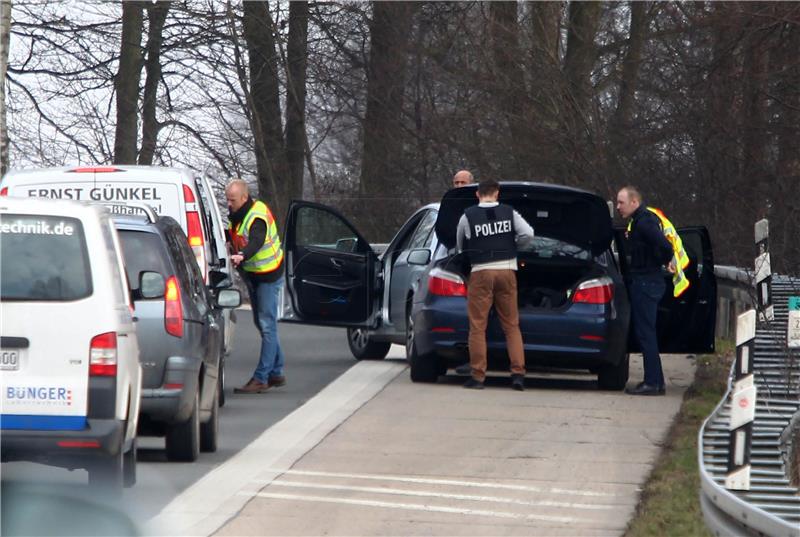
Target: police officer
489	233
649	250
258	254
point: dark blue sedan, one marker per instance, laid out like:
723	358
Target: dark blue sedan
574	310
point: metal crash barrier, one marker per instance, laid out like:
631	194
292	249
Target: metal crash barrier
748	490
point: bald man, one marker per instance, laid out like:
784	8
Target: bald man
462	178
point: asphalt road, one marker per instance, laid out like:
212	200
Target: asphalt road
38	499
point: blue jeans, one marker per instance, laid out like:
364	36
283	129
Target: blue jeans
646	291
264	301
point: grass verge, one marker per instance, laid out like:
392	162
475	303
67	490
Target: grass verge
670	504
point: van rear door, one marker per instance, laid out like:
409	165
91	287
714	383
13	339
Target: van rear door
46	295
102	184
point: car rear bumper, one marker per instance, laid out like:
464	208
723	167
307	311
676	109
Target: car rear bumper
581	341
72	449
172	401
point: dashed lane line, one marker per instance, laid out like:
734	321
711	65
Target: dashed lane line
453	482
443	495
422	507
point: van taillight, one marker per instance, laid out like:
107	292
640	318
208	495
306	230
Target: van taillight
194	231
103	355
95	169
597	291
4	191
443	283
173	311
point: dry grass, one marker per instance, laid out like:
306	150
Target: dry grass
670	504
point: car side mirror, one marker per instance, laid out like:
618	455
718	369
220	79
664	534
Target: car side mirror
151	284
228	298
419	257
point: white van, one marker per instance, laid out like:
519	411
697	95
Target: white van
70	379
180	193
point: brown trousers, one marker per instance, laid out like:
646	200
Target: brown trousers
498	287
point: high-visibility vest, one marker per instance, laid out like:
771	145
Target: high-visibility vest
270	255
680	283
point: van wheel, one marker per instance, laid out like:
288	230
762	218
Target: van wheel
614	377
362	346
183	439
108	474
129	467
209	431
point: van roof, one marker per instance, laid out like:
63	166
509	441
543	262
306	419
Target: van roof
153	171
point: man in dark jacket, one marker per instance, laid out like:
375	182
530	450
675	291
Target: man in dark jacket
649	251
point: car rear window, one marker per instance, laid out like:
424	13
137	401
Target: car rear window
43	258
143	251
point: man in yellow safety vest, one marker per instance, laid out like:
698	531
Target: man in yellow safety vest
649	251
258	254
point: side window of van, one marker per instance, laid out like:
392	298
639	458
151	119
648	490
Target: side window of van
114	250
45	258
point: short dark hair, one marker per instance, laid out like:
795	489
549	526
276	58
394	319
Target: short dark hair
488	186
633	193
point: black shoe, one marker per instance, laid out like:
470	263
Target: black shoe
464	370
518	382
473	384
646	389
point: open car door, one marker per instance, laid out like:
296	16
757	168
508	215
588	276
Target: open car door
686	324
331	270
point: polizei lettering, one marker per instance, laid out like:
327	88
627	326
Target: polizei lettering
493	228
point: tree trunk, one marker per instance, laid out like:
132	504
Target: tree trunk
513	95
156	15
621	122
271	163
545	17
5	37
581	51
297	59
382	159
126	84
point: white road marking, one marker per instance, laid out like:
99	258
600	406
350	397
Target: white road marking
428	481
421	507
213	500
443	495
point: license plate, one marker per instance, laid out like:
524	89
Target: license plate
9	359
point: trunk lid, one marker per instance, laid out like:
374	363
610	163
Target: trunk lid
568	214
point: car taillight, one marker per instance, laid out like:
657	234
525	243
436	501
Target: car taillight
103	355
173	311
443	283
4	191
596	291
194	231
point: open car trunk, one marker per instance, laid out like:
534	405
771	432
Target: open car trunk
547	283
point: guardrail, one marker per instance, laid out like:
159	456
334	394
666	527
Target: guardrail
772	505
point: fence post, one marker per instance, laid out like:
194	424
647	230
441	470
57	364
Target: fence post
743	405
743	394
763	276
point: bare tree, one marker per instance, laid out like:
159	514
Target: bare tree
126	84
156	18
5	34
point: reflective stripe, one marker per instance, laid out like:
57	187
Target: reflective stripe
270	255
680	282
